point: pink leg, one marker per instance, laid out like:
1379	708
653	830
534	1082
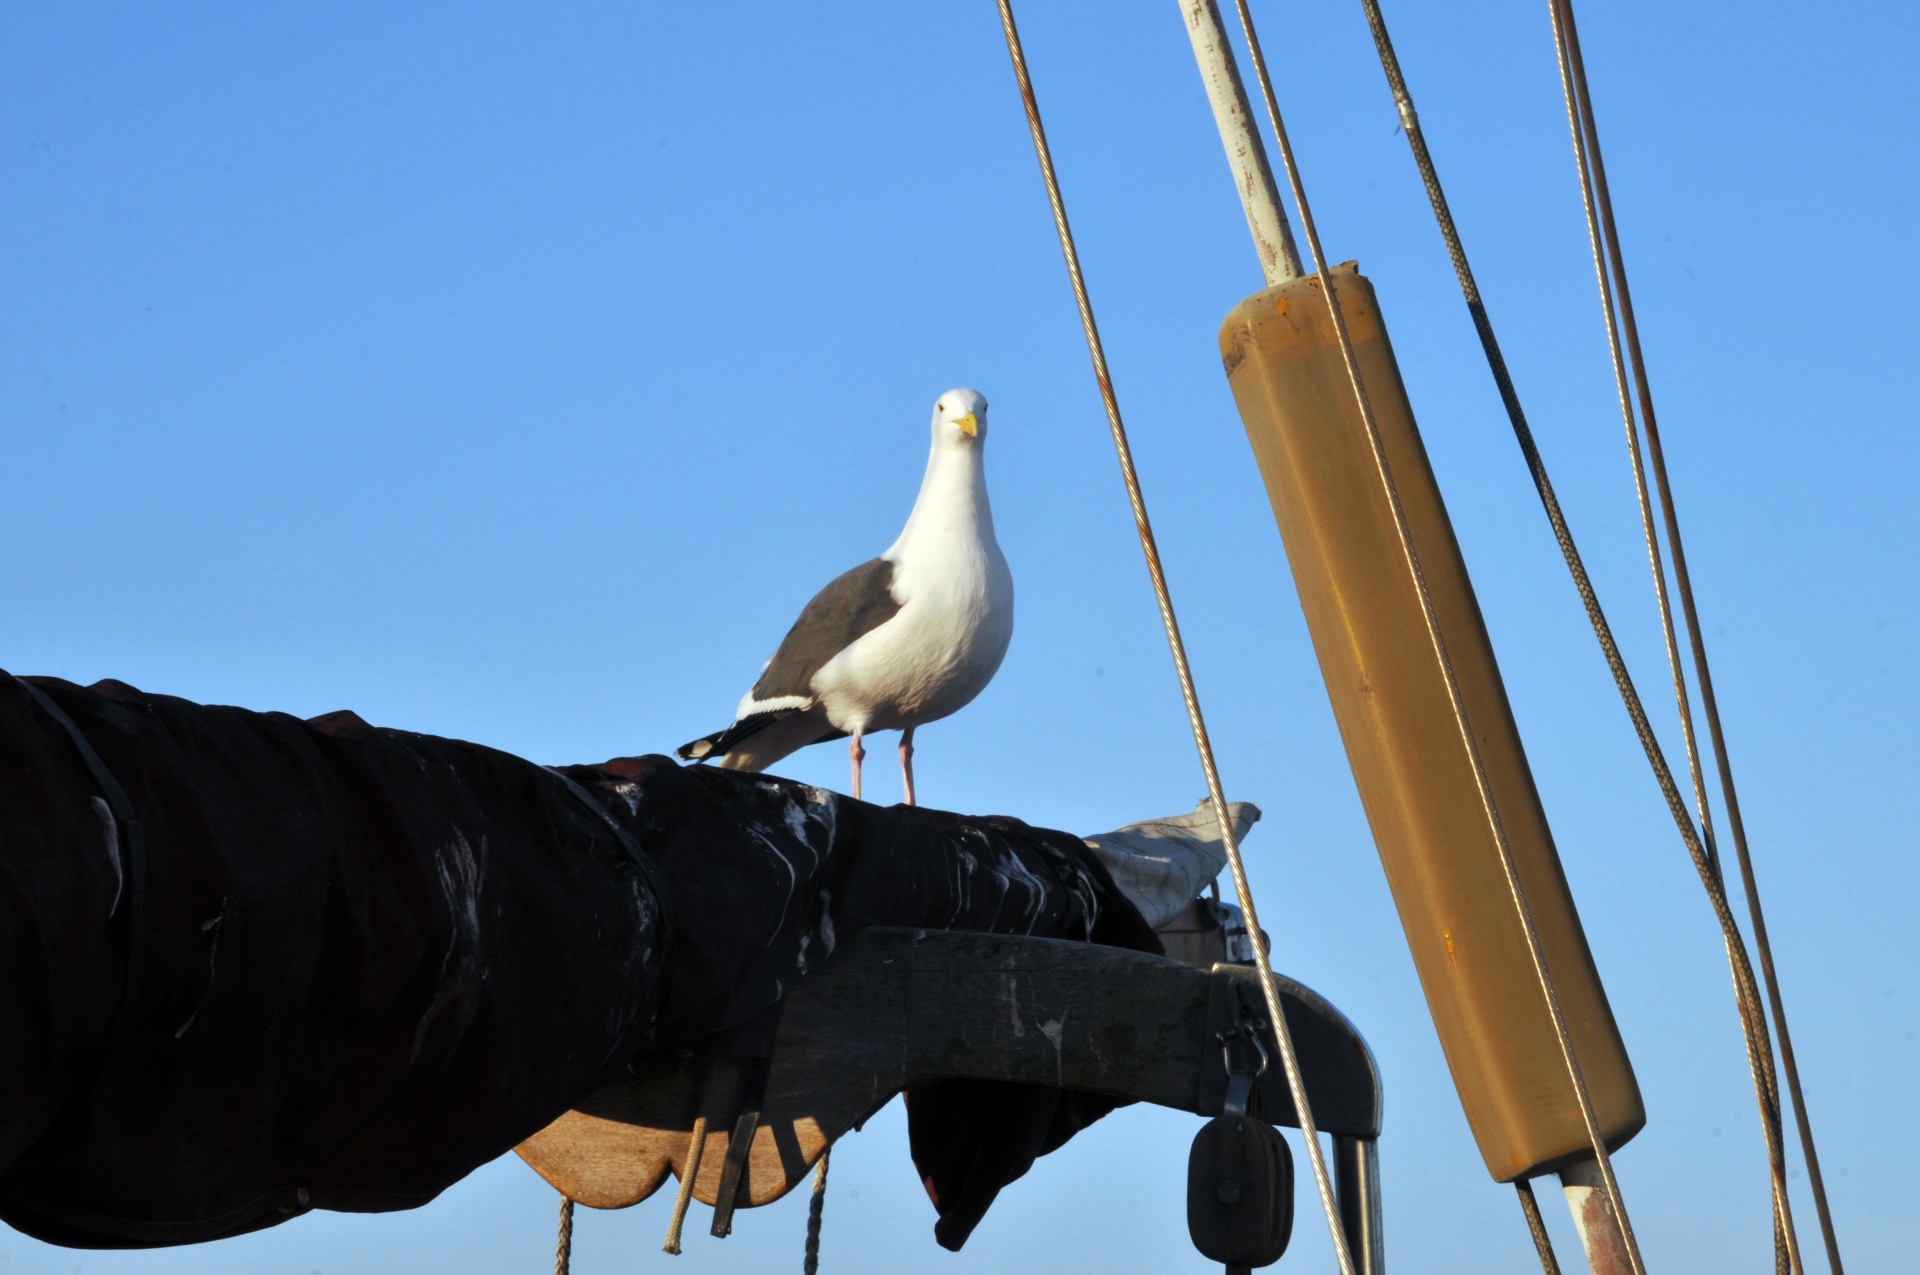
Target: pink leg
906	762
858	754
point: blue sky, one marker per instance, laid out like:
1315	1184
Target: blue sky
515	373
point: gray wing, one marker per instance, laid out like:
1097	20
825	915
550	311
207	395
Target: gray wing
855	603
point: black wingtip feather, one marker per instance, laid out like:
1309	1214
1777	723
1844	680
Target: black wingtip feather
700	749
721	742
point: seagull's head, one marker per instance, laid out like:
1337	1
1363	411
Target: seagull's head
960	419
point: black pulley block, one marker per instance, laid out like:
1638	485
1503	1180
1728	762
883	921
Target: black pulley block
1240	1191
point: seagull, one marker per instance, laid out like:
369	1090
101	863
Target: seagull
904	639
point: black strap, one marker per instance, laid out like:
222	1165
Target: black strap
649	871
746	1122
133	846
620	834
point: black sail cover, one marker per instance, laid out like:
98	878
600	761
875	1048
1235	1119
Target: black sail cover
372	960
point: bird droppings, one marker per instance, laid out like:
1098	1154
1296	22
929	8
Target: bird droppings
110	831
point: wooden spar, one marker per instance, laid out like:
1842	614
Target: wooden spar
893	1006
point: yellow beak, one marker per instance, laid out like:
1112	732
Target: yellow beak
969	424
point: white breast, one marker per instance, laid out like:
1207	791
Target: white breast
941	649
956	611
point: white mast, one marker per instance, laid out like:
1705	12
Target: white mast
1252	177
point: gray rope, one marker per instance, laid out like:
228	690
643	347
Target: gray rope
816	1208
1283	1036
1536	951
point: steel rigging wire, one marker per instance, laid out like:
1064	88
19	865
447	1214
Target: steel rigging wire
1700	850
1598	198
1759	1048
1537	1228
1523	434
1283	1036
1456	702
